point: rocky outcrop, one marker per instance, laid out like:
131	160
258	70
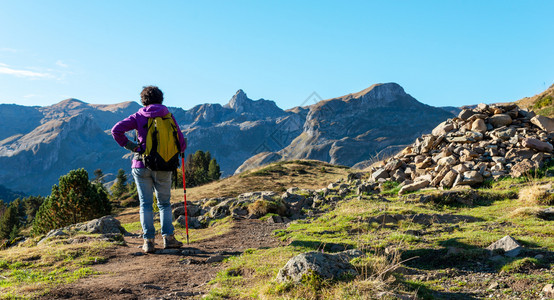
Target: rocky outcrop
481	143
326	266
108	228
354	128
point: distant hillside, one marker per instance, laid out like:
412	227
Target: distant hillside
542	104
351	129
39	144
46	142
276	177
7	195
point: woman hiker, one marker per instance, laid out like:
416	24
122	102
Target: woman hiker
147	180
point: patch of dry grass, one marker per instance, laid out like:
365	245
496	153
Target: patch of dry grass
526	211
276	177
263	207
536	195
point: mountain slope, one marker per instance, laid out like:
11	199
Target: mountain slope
353	128
47	142
43	143
542	103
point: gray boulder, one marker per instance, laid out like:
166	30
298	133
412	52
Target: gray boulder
192	210
471	178
413	187
544	123
510	246
328	266
466	114
104	225
500	120
294	202
521	168
547	213
537	145
194	223
443	128
380	173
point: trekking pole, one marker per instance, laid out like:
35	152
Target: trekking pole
185	194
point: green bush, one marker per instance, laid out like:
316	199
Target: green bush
74	200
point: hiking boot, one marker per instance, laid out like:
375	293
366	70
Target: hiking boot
171	242
148	246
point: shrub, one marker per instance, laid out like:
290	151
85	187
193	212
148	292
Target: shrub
262	207
74	200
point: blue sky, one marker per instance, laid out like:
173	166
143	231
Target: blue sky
444	53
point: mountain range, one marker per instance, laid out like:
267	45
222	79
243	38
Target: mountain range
39	144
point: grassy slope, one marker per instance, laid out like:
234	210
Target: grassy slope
275	177
542	104
251	275
29	270
450	257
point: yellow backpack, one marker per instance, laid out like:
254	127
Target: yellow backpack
162	144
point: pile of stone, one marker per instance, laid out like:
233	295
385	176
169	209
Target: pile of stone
294	203
484	142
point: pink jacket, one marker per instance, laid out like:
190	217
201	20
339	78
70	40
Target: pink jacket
139	121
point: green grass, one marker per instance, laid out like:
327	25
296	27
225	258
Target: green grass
27	271
252	275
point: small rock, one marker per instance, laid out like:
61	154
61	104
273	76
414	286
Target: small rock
152	287
413	187
169	251
274	219
479	126
215	259
548	290
510	246
494	286
547	213
380	173
537	145
465	114
500	120
328	266
521	168
443	128
543	122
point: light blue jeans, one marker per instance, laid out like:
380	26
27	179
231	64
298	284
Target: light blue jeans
159	182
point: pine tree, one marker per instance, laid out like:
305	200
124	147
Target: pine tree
120	185
213	170
8	221
74	200
98	176
32	204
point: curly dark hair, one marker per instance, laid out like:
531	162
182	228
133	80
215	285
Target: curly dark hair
151	95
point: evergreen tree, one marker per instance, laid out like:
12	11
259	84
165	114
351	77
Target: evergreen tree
74	200
98	176
200	168
3	208
8	221
14	233
19	207
32	204
213	170
120	186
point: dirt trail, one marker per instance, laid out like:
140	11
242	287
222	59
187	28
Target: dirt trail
130	275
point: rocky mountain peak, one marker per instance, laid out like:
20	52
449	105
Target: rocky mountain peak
69	103
382	90
239	100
